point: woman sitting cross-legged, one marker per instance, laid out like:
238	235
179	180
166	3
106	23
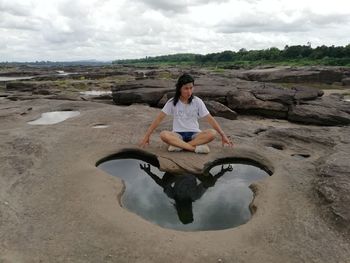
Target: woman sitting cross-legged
186	109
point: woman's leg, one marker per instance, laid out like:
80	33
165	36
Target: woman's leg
172	138
203	137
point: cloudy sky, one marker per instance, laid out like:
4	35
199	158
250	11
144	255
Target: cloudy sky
66	30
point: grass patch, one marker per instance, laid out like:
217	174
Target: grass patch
165	75
217	70
118	79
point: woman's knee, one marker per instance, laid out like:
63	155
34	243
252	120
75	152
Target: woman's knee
211	133
165	135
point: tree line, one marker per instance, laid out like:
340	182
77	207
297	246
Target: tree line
328	55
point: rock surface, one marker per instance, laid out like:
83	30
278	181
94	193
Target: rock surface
56	206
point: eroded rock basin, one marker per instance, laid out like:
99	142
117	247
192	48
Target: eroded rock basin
218	200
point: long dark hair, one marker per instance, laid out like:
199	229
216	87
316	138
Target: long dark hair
183	80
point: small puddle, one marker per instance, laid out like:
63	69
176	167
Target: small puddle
54	117
3	78
95	92
276	146
187	202
301	156
100	126
63	73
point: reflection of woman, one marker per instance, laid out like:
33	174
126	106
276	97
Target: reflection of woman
184	189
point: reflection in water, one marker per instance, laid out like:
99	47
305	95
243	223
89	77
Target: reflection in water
184	189
187	202
54	117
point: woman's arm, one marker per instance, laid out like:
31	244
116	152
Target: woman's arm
147	169
217	127
154	125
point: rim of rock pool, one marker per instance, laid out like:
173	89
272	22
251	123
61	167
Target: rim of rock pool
228	204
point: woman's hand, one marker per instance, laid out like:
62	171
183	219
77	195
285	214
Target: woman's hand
226	140
216	126
145	141
146	167
229	168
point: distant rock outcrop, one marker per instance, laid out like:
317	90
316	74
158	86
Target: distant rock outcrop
295	75
220	110
298	103
226	94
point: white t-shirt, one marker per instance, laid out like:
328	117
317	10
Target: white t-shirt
186	115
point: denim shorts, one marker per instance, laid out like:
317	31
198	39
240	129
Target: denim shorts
187	136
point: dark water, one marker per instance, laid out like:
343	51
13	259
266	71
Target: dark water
186	202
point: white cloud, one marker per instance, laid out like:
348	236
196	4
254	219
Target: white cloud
108	29
179	6
15	8
297	21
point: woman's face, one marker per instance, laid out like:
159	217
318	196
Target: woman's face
187	90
